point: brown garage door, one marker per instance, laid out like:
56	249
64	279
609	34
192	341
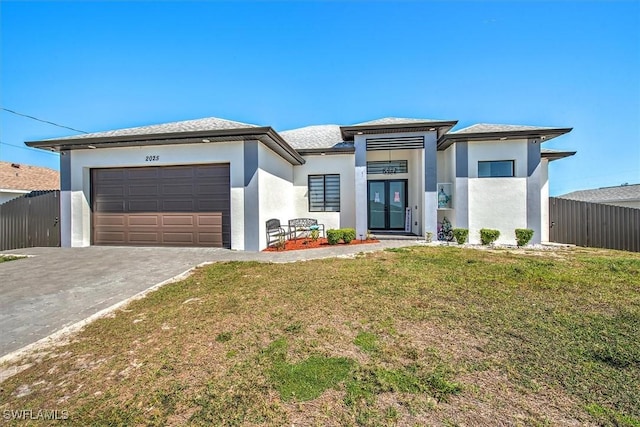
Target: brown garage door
161	206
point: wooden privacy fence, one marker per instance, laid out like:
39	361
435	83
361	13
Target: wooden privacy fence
594	224
31	220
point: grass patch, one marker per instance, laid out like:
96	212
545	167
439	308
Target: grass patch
306	379
423	335
367	342
6	258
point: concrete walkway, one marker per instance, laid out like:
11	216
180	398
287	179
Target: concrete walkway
57	287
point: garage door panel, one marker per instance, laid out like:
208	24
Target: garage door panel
156	206
142	173
111	206
143	220
111	174
179	238
184	190
178	220
111	237
115	190
177	172
210	239
178	205
151	205
110	220
145	190
143	237
210	220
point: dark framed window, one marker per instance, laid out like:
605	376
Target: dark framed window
496	169
324	193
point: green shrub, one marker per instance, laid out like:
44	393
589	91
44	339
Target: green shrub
488	236
348	234
461	235
523	236
334	236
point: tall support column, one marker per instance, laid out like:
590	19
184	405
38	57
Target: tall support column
361	185
65	199
534	204
430	183
251	197
461	193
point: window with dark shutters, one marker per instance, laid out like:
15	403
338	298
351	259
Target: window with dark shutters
324	193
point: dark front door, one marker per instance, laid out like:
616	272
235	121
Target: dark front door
387	204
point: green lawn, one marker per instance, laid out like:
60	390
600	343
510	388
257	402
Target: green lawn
5	258
423	335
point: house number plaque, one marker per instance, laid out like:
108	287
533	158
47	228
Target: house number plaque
151	158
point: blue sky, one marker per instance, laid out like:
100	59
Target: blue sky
98	66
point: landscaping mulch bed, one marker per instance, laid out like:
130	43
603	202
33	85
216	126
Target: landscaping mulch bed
303	243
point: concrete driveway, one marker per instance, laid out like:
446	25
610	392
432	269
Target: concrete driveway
57	287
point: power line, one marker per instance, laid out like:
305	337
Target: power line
43	121
28	148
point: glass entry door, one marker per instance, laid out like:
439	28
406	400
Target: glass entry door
387	201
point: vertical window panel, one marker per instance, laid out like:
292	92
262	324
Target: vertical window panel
324	193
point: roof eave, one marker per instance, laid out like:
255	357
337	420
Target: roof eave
327	151
264	134
557	155
348	132
446	140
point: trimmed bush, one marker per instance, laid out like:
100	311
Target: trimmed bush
334	236
348	234
523	236
488	236
461	235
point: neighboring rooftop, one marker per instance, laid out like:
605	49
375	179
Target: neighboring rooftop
311	138
14	176
209	123
608	195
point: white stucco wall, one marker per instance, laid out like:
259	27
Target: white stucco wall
75	204
275	190
342	164
498	150
497	203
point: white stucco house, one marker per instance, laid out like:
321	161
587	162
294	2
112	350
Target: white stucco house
214	182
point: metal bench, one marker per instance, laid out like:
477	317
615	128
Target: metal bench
275	232
301	227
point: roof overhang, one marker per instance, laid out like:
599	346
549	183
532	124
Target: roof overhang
442	127
552	155
543	134
326	151
266	135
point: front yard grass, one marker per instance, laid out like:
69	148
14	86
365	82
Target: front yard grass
415	336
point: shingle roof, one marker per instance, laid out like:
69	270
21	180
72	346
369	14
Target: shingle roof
315	137
491	128
209	123
15	176
395	121
606	194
